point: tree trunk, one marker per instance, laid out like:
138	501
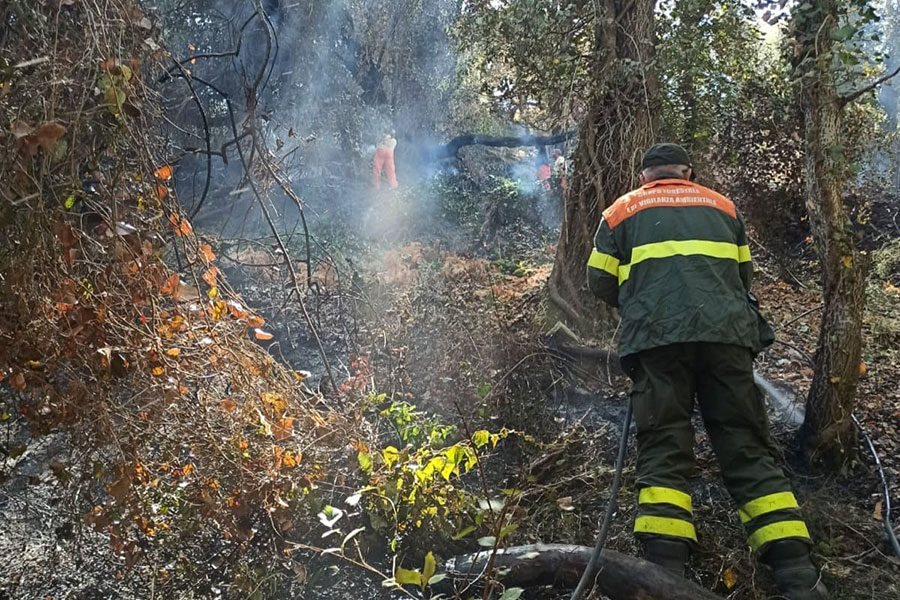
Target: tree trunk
619	577
828	435
621	124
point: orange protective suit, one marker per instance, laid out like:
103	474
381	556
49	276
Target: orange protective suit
384	163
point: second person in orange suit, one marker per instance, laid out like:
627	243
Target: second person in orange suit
383	163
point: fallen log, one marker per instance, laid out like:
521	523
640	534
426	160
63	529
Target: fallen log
619	577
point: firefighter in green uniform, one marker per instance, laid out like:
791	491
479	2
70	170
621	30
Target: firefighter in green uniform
673	257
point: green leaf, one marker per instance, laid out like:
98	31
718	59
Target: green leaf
481	437
437	579
429	569
512	593
483	390
844	32
390	455
462	533
70	202
508	530
365	462
408	576
487	541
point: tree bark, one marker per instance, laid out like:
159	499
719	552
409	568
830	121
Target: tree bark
828	435
619	577
621	124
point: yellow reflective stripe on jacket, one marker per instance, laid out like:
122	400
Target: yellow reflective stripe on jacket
778	531
726	250
665	526
767	504
664	495
604	262
744	253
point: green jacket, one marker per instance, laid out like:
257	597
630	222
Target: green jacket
673	257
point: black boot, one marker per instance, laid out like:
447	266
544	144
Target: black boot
671	555
795	574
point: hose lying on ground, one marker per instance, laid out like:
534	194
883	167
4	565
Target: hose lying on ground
587	577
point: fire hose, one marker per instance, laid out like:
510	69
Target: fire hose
588	575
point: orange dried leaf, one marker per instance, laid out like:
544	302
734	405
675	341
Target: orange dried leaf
184	228
228	404
237	311
282	429
164	172
161	192
157	371
255	321
171	285
290	459
863	369
210	276
173	351
261	335
188	468
207	253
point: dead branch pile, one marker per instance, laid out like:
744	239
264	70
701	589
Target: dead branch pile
189	440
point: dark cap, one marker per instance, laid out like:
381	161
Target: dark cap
665	154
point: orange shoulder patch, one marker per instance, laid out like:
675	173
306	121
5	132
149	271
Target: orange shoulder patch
671	193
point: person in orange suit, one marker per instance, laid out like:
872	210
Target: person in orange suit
384	162
543	174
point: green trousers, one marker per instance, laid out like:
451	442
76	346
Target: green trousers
720	376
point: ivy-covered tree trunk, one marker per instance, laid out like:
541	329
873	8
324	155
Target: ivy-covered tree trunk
828	433
621	124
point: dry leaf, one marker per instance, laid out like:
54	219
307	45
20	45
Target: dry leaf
261	335
876	514
729	578
237	311
291	459
45	136
210	276
161	192
206	253
255	321
228	404
219	310
171	285
188	468
863	369
282	429
158	371
18	381
173	351
119	489
565	504
164	172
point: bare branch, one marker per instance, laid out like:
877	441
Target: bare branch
850	98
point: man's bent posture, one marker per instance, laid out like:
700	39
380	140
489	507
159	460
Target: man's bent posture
673	256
